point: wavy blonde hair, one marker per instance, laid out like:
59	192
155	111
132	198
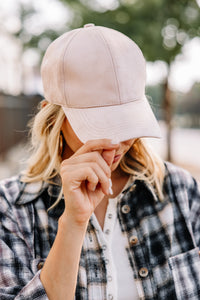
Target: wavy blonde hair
44	163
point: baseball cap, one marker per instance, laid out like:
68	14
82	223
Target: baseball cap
98	76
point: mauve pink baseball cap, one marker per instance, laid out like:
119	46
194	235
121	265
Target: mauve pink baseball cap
98	76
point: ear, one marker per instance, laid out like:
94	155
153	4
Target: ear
43	103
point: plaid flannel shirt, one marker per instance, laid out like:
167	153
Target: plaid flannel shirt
165	259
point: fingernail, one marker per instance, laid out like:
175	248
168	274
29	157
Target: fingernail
110	191
110	187
114	142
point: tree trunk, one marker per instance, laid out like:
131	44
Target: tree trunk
167	106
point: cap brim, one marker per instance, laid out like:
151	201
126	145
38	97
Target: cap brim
119	122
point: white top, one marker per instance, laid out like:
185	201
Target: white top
121	284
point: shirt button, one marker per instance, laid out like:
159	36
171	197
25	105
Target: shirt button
40	265
110	297
106	261
133	240
143	272
126	209
107	231
109	278
110	216
104	247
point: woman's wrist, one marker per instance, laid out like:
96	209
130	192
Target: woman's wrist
67	221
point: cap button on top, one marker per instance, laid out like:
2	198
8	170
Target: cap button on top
89	25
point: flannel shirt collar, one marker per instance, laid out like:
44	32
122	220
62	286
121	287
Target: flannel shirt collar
141	184
31	191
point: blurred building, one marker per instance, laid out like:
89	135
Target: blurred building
15	112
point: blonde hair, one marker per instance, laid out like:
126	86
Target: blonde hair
144	164
44	163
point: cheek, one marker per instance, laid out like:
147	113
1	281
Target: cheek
72	141
128	144
77	144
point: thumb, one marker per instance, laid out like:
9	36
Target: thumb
108	156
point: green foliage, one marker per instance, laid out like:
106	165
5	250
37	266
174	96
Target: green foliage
159	27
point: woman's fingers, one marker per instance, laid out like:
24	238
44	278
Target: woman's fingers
90	172
108	156
103	179
101	151
95	157
85	177
96	145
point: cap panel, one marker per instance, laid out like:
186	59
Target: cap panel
129	65
52	68
89	72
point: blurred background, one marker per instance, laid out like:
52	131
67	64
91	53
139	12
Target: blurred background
167	31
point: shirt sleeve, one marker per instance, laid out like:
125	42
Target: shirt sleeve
194	203
33	290
19	275
187	190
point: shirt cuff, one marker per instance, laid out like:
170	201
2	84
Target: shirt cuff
33	290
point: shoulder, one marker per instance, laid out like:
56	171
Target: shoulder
14	192
10	189
178	176
180	184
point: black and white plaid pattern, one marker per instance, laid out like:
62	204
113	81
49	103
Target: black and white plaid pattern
168	235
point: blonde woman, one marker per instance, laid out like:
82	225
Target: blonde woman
97	215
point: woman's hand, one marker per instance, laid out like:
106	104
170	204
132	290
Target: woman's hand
85	178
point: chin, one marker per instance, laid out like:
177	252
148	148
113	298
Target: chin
114	166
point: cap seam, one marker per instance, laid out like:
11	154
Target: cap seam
63	67
128	101
112	59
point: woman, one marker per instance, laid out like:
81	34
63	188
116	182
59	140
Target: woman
97	215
